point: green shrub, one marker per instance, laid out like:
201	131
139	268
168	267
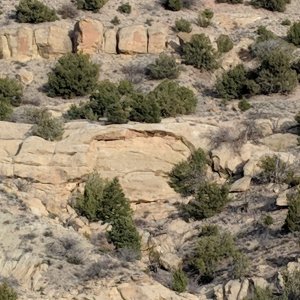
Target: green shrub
264	34
117	113
7	293
5	110
11	91
93	5
174	5
173	99
204	18
187	176
286	22
115	21
268	220
292	221
200	53
275	74
125	87
183	25
144	109
210	199
83	111
105	94
210	252
105	201
274	170
34	11
48	128
244	105
236	83
73	75
291	286
273	5
164	67
293	35
125	8
224	43
261	294
179	281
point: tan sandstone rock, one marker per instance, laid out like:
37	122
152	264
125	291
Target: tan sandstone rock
88	36
157	36
133	40
110	41
26	77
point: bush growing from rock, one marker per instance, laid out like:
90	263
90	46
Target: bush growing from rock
173	99
48	128
236	83
125	8
165	66
204	18
187	176
34	11
244	105
183	25
209	199
115	21
292	221
200	53
105	201
179	281
293	35
73	75
273	5
224	43
7	293
275	74
93	5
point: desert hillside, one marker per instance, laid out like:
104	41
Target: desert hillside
150	150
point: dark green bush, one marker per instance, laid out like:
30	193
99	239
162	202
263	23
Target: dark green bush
210	199
105	201
187	176
73	75
200	53
11	91
293	35
204	18
224	43
179	281
174	5
261	294
236	83
183	25
273	5
115	21
210	252
46	127
34	11
7	293
143	109
292	221
5	110
173	99
93	5
275	74
244	105
83	111
264	34
268	220
125	8
117	113
291	286
165	66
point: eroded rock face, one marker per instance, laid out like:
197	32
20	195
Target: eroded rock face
133	40
157	36
88	36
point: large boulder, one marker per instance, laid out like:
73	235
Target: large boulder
110	41
133	40
88	36
157	36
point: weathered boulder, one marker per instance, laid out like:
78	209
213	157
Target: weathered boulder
157	36
110	41
241	185
26	77
133	40
88	36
